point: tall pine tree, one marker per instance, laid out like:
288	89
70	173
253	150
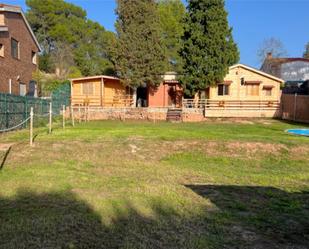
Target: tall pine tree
139	56
208	46
172	14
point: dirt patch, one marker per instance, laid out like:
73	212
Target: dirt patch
5	147
300	152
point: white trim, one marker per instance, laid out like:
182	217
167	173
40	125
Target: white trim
257	71
10	86
17	9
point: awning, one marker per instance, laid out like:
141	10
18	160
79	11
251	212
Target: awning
268	87
248	82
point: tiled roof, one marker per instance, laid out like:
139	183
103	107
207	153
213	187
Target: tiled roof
285	60
17	9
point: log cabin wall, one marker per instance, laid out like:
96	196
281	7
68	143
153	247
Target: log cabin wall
101	91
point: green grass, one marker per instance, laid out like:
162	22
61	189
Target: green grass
219	184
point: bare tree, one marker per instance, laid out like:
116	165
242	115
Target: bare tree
306	53
271	46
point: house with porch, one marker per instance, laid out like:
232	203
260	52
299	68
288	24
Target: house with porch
100	91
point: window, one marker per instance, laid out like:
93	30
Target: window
252	89
267	90
223	90
34	57
15	48
1	50
22	89
88	89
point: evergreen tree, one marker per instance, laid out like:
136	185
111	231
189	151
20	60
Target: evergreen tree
208	46
139	56
306	54
56	22
172	14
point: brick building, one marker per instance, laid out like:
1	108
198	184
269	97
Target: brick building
18	52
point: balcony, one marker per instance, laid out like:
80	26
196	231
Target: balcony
4	28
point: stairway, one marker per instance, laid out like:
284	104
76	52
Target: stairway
174	115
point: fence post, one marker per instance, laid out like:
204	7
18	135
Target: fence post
63	116
6	111
50	117
72	116
31	126
295	106
79	114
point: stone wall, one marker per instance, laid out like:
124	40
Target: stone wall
150	114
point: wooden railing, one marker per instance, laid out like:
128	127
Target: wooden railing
117	101
231	104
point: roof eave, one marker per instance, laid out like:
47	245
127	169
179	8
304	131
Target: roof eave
258	72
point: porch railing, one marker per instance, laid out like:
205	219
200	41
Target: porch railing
231	104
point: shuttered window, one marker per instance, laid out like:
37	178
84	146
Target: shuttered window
253	89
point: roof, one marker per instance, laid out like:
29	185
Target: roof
17	9
285	60
257	71
95	77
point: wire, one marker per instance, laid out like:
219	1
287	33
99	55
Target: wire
14	127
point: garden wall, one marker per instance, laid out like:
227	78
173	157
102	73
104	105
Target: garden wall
150	114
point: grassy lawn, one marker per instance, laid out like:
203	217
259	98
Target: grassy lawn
220	184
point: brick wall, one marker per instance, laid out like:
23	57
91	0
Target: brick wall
18	70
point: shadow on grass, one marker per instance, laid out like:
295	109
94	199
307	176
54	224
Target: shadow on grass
5	157
62	220
266	215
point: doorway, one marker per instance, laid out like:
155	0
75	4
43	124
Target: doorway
142	97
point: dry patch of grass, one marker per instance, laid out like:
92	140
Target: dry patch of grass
131	185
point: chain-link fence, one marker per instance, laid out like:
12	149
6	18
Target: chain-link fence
14	110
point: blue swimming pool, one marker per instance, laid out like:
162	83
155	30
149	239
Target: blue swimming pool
299	132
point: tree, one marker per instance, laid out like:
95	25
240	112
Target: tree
271	46
172	14
56	22
139	55
306	54
208	46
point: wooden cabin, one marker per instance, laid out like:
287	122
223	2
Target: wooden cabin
102	90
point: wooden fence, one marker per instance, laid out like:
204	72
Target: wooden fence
295	107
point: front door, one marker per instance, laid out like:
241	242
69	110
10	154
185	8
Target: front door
172	94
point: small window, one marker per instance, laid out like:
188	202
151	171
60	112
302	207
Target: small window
15	48
22	89
34	57
252	89
88	89
268	91
1	50
223	90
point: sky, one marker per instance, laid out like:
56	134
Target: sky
253	21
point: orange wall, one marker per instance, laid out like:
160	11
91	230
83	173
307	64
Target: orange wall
159	97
